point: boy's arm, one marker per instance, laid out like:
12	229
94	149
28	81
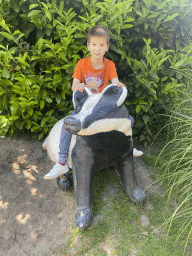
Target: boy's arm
77	85
117	82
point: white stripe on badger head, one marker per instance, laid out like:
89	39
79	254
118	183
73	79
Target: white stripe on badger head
109	124
122	97
89	92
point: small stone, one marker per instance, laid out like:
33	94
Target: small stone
144	220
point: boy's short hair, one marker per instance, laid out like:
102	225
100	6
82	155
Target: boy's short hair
99	30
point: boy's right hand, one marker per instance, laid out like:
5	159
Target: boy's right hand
80	87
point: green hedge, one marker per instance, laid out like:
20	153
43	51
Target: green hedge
41	42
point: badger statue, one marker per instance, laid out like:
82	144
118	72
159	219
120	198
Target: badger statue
102	136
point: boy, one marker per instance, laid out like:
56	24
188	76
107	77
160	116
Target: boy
95	73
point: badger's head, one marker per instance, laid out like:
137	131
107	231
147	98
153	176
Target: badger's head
97	113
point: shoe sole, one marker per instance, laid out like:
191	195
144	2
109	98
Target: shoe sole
138	155
54	177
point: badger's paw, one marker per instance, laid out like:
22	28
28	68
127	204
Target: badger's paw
65	182
138	196
83	217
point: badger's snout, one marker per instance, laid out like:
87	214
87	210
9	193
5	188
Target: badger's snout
72	125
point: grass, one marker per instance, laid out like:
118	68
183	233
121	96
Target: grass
117	228
177	163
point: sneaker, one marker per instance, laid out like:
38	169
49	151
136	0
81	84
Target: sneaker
56	171
137	152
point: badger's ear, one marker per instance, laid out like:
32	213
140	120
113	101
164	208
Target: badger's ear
79	96
115	94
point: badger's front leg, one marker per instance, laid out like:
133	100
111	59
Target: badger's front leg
83	172
125	167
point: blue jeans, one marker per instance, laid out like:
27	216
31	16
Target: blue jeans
65	140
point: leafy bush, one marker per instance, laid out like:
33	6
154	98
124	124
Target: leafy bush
41	41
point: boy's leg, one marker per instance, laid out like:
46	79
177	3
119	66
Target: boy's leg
64	144
61	167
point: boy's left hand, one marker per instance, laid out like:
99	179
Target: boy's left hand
120	84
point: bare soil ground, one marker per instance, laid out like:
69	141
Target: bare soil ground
35	216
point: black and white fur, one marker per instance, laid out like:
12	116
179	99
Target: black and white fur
102	136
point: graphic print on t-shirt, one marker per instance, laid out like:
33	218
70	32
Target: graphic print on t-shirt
94	81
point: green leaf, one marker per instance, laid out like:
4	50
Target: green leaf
16	32
23	104
34	13
114	16
179	75
54	3
2	24
49	100
164	78
41	135
48	31
42	104
95	19
2	92
146	119
127	26
57	79
5	34
142	137
28	124
48	14
171	17
1	46
6	73
83	18
138	108
179	63
61	6
43	121
38	113
50	112
144	63
117	37
32	6
44	94
21	35
154	75
15	5
46	7
129	20
30	111
34	128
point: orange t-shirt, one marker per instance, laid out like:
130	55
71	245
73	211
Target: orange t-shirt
95	79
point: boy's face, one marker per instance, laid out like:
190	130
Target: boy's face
97	46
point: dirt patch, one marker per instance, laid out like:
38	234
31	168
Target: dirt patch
36	217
